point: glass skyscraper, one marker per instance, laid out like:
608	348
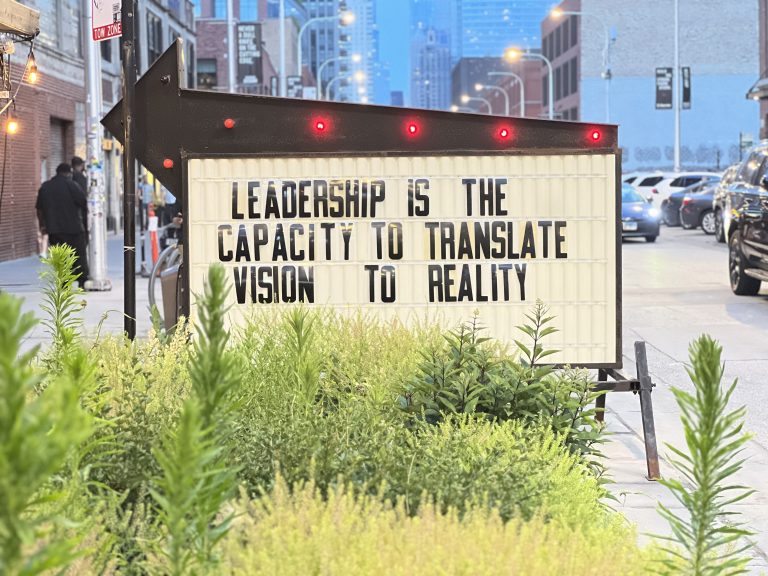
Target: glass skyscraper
487	27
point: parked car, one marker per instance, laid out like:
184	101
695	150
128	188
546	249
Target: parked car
670	211
718	200
662	191
645	182
696	209
638	217
745	222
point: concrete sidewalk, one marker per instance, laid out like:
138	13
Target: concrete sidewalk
637	497
102	311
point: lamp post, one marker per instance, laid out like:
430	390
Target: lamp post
522	88
676	87
346	17
480	87
356	58
466	99
513	54
359	78
557	13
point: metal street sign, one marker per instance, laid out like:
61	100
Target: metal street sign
406	215
686	88
106	22
664	78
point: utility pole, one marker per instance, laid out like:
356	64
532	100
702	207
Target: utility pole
676	86
129	165
231	45
97	224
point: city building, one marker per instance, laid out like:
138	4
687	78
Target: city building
256	45
397	98
51	121
159	24
326	44
759	90
496	87
470	72
487	27
722	64
430	70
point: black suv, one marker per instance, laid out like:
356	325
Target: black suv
745	220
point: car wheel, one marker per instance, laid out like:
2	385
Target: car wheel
651	239
708	222
741	284
719	228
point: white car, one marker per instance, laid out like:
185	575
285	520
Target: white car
646	181
661	191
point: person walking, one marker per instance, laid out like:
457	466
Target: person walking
62	210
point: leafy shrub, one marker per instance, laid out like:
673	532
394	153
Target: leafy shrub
714	440
38	433
470	374
299	532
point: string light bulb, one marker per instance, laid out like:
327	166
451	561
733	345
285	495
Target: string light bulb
12	125
32	73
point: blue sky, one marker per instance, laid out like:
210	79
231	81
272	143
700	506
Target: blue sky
393	17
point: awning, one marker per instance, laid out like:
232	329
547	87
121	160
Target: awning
758	90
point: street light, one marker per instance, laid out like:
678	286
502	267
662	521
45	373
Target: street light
480	87
346	18
522	88
356	58
557	13
466	99
359	77
514	54
455	108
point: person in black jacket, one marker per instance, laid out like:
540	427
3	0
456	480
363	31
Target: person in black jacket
78	173
62	210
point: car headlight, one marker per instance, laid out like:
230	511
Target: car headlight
653	212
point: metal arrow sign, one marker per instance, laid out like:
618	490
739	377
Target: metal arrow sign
173	122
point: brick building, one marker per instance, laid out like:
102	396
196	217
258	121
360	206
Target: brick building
51	116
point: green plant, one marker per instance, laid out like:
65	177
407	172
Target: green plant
60	303
37	435
470	374
714	442
196	479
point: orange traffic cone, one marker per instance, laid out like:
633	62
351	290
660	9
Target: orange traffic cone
152	229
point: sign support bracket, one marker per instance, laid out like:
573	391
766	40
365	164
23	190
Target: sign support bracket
641	385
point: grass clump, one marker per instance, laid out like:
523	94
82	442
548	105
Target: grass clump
300	531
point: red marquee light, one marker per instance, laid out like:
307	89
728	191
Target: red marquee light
167	163
412	129
229	123
595	135
320	125
505	133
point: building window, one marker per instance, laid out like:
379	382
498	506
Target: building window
558	40
545	89
574	29
566	36
249	11
575	113
154	38
574	76
206	74
558	83
198	9
219	9
566	79
106	50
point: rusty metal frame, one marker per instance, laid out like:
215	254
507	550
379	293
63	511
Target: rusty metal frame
643	386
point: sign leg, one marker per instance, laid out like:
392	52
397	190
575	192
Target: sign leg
602	376
646	412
